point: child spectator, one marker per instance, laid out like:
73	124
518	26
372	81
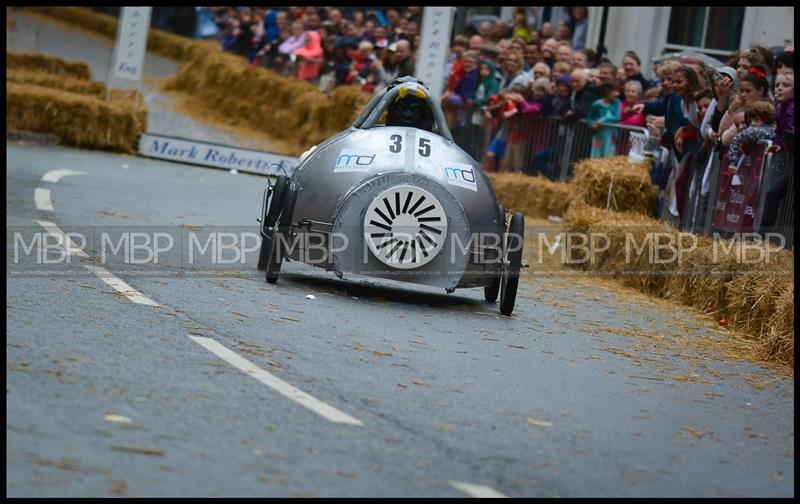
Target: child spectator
540	89
487	87
752	88
703	98
517	133
503	108
461	97
557	104
561	68
782	139
309	57
758	119
784	111
633	95
668	105
604	110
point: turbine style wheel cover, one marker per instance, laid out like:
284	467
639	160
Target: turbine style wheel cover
405	227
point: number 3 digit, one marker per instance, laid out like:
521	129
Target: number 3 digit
398	143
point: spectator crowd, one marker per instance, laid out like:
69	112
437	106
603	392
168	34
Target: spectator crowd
498	71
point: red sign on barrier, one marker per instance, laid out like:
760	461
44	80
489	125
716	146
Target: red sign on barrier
738	194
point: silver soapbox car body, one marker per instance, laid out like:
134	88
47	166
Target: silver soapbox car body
395	202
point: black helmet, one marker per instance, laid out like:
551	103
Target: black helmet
410	108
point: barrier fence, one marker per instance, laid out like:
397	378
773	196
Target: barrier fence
547	146
758	198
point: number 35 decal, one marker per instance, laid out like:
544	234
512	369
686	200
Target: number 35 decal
397	145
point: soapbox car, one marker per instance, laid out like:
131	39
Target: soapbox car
398	200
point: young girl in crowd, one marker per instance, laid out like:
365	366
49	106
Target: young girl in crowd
784	110
758	119
668	105
633	95
752	88
782	139
606	109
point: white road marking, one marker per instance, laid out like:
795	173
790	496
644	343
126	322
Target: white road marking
42	199
55	175
66	243
278	385
120	286
477	490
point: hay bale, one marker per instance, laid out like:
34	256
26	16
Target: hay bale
49	64
730	277
285	108
631	186
534	196
56	81
80	120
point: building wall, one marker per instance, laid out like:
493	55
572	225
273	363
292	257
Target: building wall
644	30
770	26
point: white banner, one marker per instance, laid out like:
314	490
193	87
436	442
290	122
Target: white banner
134	24
434	43
214	155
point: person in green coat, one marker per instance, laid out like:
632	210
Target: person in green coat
487	86
604	110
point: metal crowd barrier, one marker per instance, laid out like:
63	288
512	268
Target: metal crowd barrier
739	204
547	146
777	178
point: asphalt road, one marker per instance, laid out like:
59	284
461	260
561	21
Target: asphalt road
584	391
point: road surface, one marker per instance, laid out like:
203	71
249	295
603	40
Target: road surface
161	380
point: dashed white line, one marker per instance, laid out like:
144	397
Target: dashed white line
42	199
55	175
64	240
278	385
43	202
477	490
120	286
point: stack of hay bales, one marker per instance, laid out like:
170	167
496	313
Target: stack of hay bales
602	183
48	64
287	109
534	196
734	280
614	183
45	94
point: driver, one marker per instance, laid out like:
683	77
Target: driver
410	108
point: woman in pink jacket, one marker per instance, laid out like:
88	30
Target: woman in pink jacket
309	57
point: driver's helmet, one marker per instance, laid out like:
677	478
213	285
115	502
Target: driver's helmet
410	108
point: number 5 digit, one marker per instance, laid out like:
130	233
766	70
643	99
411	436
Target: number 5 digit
424	147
